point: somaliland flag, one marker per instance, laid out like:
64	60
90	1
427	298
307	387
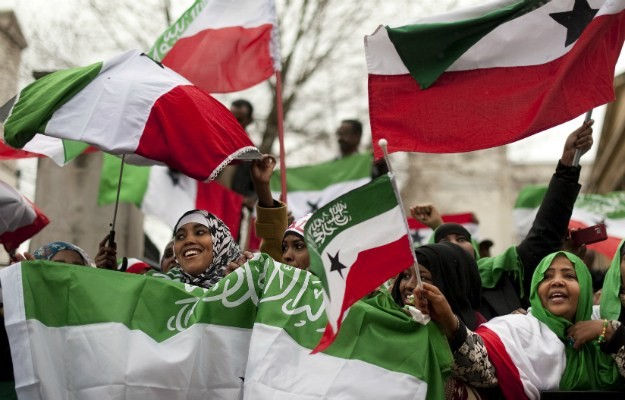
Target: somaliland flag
421	233
356	243
222	46
589	209
60	151
167	194
20	219
493	74
131	105
313	186
94	334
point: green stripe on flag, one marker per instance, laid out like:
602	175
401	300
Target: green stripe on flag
134	182
65	295
73	148
41	99
531	196
427	50
320	176
610	205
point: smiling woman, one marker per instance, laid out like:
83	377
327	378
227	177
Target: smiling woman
203	247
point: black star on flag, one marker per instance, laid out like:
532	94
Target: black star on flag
174	176
416	237
576	20
336	264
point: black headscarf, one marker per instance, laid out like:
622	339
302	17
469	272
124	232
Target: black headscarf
448	229
455	273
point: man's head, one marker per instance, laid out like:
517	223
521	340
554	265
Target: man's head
243	111
348	135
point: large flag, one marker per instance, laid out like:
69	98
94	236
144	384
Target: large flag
94	334
313	186
20	219
131	105
492	74
589	209
222	45
167	194
356	243
421	233
60	151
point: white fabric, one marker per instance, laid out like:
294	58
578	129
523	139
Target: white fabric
280	369
111	112
532	39
536	351
157	200
15	210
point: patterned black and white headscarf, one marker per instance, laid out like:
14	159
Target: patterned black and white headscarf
225	249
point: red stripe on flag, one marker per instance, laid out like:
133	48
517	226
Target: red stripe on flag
191	132
224	60
507	373
478	109
9	153
371	268
465	218
12	240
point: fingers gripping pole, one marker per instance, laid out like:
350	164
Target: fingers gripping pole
578	153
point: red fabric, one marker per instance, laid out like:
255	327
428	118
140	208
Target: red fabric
464	218
9	153
223	203
191	132
472	110
253	241
224	60
12	240
371	269
507	373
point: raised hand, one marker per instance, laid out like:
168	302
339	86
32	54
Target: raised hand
580	138
427	214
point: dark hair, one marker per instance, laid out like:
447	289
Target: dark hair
355	124
242	103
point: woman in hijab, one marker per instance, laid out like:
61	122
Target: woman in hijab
64	253
203	248
526	354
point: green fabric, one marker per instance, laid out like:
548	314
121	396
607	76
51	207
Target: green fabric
73	148
134	182
492	268
41	99
610	302
531	196
319	176
427	50
587	368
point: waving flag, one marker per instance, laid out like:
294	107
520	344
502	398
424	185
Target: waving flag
167	194
131	105
590	209
421	233
356	243
312	186
127	336
492	74
222	45
20	219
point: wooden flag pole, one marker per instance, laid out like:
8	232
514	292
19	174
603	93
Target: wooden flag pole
578	153
383	143
280	118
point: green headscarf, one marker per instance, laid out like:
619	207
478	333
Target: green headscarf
610	302
587	368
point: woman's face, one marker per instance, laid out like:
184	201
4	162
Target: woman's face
559	290
408	282
168	260
68	257
295	252
461	241
193	248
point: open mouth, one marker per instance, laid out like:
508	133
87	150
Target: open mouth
558	297
190	253
409	299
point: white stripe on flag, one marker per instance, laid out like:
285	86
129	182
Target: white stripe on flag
50	147
161	190
227	13
280	369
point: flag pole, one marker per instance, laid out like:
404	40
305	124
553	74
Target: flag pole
280	118
111	242
383	143
578	153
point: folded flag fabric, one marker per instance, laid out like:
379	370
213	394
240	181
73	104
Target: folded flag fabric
20	219
222	46
590	209
312	186
421	233
131	105
492	74
167	194
103	334
356	243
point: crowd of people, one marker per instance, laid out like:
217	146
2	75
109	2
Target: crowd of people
518	323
